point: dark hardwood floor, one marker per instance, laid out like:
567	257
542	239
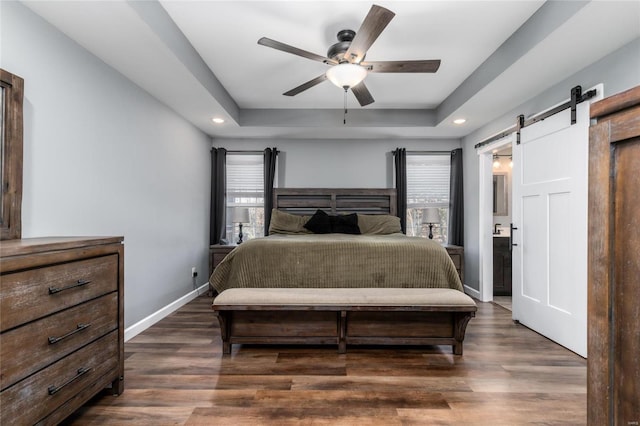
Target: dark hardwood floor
509	375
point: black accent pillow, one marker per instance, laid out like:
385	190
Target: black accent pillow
345	224
322	223
319	223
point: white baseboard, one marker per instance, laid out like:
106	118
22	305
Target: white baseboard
143	324
472	292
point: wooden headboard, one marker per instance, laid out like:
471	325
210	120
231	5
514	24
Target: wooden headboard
305	201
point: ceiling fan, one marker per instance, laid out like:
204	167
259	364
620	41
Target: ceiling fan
346	58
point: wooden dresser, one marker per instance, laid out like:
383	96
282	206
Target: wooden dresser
613	370
61	324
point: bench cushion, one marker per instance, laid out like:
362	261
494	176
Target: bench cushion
344	297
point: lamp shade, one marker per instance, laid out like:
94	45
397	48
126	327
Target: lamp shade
346	75
430	215
240	215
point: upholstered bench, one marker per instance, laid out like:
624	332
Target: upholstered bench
370	316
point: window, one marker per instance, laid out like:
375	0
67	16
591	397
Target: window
428	186
245	188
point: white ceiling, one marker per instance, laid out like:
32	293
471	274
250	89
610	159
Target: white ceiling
202	59
256	76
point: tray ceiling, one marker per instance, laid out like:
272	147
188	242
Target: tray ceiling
202	59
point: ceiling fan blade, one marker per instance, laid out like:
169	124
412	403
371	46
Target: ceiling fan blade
376	21
402	66
294	50
362	94
309	84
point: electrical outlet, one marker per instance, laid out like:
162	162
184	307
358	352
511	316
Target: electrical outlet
194	272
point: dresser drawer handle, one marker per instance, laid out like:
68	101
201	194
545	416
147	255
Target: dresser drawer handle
80	327
79	283
81	372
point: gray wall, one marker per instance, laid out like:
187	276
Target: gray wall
618	71
102	157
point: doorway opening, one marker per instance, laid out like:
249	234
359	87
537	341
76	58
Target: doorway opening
495	171
502	167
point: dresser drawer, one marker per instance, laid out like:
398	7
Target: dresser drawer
35	397
31	347
34	293
456	258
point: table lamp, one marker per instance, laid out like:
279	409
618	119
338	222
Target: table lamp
431	217
240	216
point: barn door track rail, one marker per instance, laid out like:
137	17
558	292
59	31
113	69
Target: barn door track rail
577	97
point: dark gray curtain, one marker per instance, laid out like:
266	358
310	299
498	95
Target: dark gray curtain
270	157
217	227
456	200
400	162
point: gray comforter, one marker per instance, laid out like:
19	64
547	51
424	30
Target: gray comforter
336	260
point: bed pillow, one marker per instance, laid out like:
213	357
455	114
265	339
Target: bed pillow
285	223
345	224
379	224
322	223
319	223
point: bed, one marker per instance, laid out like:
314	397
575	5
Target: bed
341	287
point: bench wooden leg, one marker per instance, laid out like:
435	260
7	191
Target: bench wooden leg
342	332
224	318
457	348
461	319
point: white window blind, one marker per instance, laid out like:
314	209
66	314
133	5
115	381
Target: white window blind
428	186
245	189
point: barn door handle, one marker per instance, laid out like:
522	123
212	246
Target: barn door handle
511	243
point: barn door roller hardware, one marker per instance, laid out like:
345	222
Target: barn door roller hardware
577	97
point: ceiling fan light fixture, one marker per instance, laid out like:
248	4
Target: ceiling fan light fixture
346	75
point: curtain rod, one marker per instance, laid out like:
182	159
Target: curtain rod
426	152
244	152
247	152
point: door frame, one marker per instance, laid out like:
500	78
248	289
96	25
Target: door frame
485	216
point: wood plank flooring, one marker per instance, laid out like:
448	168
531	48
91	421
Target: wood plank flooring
504	301
175	374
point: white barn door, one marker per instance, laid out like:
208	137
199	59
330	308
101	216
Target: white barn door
550	242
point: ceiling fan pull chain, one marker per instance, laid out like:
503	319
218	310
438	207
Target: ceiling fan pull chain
344	116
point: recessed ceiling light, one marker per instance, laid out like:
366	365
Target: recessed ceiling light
460	121
218	120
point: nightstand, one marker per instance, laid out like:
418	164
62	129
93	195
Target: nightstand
217	252
456	253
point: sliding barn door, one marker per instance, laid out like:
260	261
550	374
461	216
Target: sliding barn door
550	242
